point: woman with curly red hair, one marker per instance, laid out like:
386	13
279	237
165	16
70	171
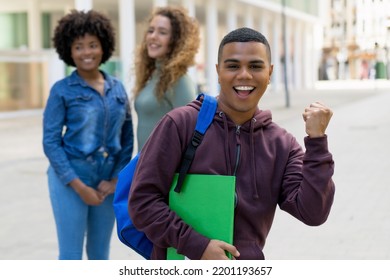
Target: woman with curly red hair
168	49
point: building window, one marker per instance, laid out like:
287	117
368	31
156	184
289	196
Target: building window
14	30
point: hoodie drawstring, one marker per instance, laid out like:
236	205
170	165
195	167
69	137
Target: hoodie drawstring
253	162
227	154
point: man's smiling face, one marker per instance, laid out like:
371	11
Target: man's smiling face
244	71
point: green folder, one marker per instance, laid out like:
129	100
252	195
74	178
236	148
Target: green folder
205	202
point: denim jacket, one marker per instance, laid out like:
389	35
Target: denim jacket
78	122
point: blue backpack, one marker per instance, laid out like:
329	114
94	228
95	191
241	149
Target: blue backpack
126	231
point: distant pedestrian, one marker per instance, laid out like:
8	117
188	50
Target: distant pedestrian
364	74
87	136
168	49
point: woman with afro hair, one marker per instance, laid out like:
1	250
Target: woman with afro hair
168	49
87	136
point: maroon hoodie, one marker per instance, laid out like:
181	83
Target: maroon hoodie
270	167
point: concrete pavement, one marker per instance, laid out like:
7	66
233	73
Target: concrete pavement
358	226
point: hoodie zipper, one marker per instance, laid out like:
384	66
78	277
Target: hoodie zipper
238	149
238	155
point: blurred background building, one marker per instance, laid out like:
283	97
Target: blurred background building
315	40
356	40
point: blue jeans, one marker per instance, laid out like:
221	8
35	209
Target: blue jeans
76	220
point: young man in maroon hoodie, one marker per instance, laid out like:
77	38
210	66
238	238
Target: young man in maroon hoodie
271	168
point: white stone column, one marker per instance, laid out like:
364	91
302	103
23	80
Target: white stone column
276	29
310	71
263	23
212	46
288	53
160	3
34	21
316	42
231	18
34	44
56	69
190	6
298	57
83	5
249	16
306	77
127	23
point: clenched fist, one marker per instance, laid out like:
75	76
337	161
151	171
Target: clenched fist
317	117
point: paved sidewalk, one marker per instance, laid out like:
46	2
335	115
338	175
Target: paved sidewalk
358	226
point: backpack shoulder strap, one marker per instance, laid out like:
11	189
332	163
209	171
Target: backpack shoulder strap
205	117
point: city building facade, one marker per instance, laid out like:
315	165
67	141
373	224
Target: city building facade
356	40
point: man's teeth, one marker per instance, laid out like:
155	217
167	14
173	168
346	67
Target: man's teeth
244	88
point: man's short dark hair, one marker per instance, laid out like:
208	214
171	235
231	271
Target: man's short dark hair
241	35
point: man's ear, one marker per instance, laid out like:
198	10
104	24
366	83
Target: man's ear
271	70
